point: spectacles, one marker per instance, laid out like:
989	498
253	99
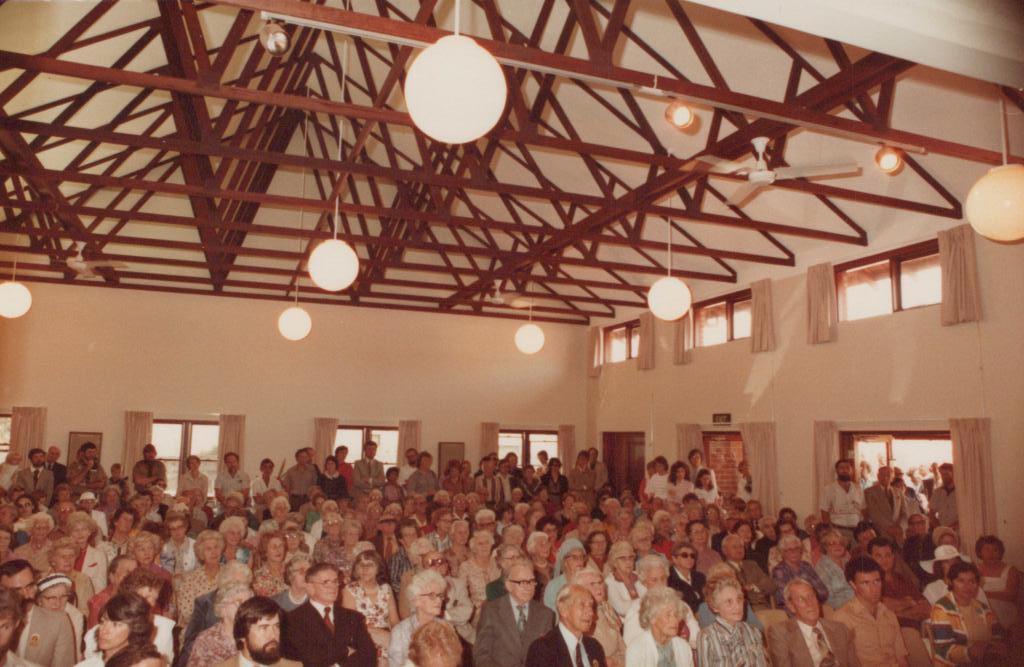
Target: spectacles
433	596
327	582
434	562
524	582
686	554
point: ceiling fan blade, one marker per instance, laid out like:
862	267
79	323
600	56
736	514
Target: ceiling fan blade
812	170
744	192
711	164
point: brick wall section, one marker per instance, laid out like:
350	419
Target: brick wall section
724	452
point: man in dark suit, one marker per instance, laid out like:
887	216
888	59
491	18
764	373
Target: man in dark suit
567	645
321	632
53	464
512	622
758	585
884	507
807	639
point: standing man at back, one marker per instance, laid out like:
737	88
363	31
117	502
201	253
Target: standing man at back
149	470
942	506
367	473
510	623
886	508
299	479
842	501
231	479
53	464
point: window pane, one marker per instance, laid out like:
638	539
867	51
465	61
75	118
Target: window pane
920	281
387	445
865	291
5	432
167	440
544	442
908	454
711	325
741	319
351	438
634	342
616	345
173	470
510	442
204	441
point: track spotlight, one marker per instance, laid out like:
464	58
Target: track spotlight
679	115
889	159
274	39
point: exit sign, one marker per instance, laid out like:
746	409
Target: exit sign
721	418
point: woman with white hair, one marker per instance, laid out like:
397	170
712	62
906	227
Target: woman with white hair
426	594
234	530
209	548
479	569
90	561
624	587
729	640
538	548
661	612
35	551
653	570
217	644
458	551
607	624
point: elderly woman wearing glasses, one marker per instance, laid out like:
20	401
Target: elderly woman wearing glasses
661	612
426	592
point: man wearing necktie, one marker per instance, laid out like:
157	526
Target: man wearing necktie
510	623
806	639
37	477
883	507
567	645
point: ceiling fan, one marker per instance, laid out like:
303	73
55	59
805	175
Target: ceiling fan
761	176
511	299
85	268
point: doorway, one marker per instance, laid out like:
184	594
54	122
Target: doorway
624	456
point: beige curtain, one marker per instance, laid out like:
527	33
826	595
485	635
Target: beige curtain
762	322
688	438
488	438
682	345
409	434
28	428
231	437
961	296
594	359
972	474
325	430
645	355
567	445
826	453
138	432
822	310
759	451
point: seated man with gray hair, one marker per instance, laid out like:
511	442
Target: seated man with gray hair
756	582
568	645
505	555
807	639
511	622
661	612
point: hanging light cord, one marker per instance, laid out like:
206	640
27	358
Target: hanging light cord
302	209
1004	129
669	221
14	271
458	15
341	126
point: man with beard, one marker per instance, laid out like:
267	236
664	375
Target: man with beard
842	502
258	635
47	637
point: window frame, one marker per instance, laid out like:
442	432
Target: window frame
632	328
524	455
847	440
186	449
895	258
367	430
730	300
5	448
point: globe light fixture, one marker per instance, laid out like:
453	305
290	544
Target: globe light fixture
455	90
274	39
679	115
889	159
333	265
669	297
529	338
995	203
15	299
294	323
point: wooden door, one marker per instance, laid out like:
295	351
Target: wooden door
624	456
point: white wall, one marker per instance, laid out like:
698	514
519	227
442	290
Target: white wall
89	354
901	370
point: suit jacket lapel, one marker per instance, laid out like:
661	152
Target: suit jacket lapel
796	640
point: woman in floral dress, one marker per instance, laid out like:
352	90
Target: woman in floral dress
370	595
268	580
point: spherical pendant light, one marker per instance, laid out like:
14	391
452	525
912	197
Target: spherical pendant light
15	299
455	90
294	323
669	298
333	265
995	204
529	338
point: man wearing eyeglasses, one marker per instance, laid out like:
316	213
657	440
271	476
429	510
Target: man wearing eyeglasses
509	624
320	632
47	637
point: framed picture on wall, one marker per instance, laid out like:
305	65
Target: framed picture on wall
77	438
446	451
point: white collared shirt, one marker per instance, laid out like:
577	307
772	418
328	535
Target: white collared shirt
515	609
844	507
812	642
571	641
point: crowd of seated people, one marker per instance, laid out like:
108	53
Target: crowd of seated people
358	564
